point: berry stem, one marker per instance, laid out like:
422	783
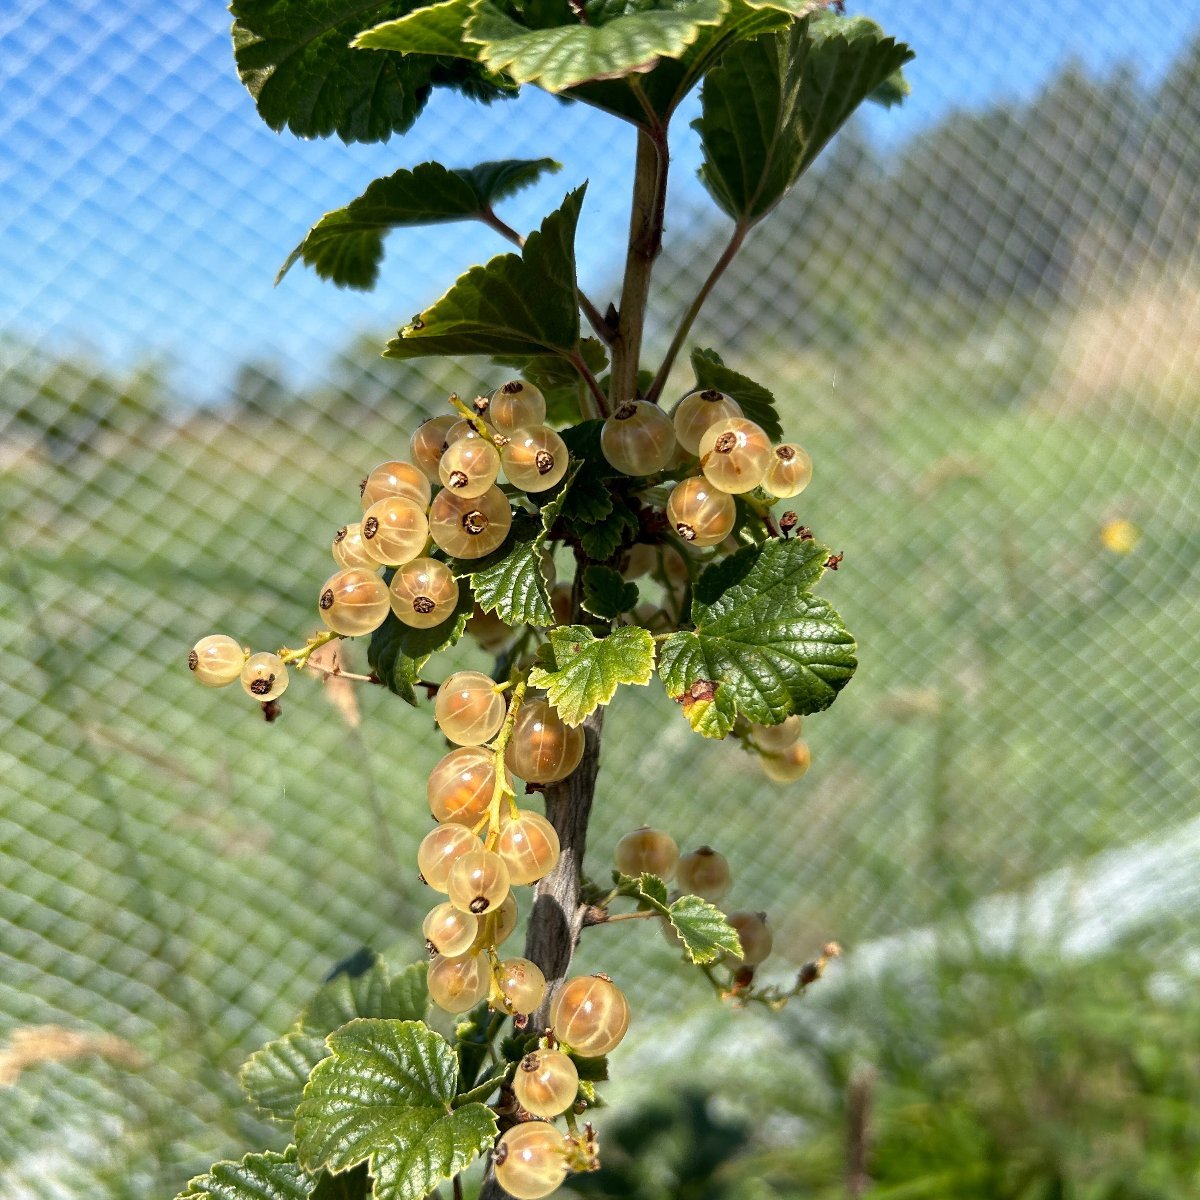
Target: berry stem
500	788
476	421
299	658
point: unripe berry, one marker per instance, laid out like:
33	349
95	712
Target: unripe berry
543	748
735	454
704	873
529	846
515	405
478	882
546	1083
428	442
788	765
264	676
522	985
394	530
440	849
754	935
697	413
534	458
700	513
353	601
649	850
789	471
590	1014
469	466
449	930
458	984
531	1160
638	439
468	709
396	478
423	593
348	549
216	660
470	528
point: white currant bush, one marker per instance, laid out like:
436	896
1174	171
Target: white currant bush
685	565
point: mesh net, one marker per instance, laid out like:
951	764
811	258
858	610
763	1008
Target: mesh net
981	315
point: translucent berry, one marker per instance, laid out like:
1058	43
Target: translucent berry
535	458
700	513
649	850
590	1014
522	985
638	439
704	873
470	528
440	849
697	413
216	660
460	786
546	1083
458	984
788	472
788	765
353	601
468	709
394	530
735	454
395	478
529	846
462	428
348	549
423	593
449	930
469	466
504	920
488	630
428	442
773	739
543	748
478	882
531	1160
515	405
264	676
754	935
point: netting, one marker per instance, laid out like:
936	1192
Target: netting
981	315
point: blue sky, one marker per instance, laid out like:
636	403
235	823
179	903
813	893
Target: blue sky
145	208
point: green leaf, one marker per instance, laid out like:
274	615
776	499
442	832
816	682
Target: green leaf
436	29
346	245
512	584
267	1176
590	500
763	645
591	1070
649	890
757	403
349	1185
703	930
383	1096
606	594
523	304
774	102
573	53
295	59
588	670
397	653
893	90
274	1076
602	540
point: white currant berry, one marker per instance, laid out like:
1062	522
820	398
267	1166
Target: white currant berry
440	849
515	405
787	765
522	985
394	530
735	454
697	412
543	748
478	882
348	549
423	593
529	845
647	850
773	739
449	930
428	442
264	676
788	472
590	1014
216	660
699	513
638	439
546	1082
754	935
530	1160
704	873
396	478
470	527
353	601
460	786
469	466
458	984
488	630
534	458
468	709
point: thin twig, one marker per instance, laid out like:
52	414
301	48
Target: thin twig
577	361
685	327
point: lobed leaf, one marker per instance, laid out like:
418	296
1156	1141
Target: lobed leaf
346	245
576	52
703	929
758	404
524	304
588	670
512	584
763	646
606	593
434	29
267	1176
774	102
274	1076
383	1096
601	540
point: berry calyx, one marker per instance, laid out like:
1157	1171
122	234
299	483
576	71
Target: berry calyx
264	676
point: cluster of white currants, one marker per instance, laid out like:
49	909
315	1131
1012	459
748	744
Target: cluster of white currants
704	873
735	454
217	660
